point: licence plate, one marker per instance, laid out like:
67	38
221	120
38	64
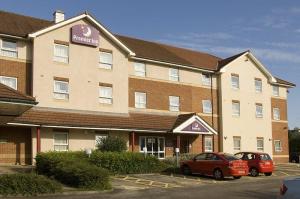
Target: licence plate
267	163
241	172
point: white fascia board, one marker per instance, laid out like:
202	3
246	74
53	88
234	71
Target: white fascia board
172	64
71	20
189	121
13	37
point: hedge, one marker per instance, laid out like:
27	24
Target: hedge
127	162
27	185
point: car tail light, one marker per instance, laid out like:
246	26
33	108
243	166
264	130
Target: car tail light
283	189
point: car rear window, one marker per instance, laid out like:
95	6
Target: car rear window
264	157
230	157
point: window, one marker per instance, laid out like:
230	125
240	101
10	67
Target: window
206	106
206	79
105	60
155	146
235	82
9	81
173	103
276	113
140	69
9	48
99	138
174	74
208	147
236	143
277	145
258	85
259	110
260	144
61	53
105	95
235	108
140	100
276	91
61	89
61	142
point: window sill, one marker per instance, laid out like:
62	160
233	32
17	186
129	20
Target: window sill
61	100
61	63
105	104
105	69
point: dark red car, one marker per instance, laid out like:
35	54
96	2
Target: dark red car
257	162
218	165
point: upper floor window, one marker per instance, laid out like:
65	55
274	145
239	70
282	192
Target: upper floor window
206	79
105	95
235	108
260	144
174	103
206	106
174	74
61	89
61	53
235	81
259	110
277	145
140	100
105	60
140	69
9	81
276	91
9	48
61	142
258	85
276	113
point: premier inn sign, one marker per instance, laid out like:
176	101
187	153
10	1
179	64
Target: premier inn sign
86	35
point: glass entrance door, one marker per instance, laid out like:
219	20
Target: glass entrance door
155	146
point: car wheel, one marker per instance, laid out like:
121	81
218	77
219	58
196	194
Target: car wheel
268	174
186	170
218	175
254	172
237	177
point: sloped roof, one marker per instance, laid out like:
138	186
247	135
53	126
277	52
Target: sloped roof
226	61
8	94
281	81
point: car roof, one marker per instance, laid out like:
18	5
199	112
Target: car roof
252	152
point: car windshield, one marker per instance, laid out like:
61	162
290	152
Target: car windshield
230	157
264	157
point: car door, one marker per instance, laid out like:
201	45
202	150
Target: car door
210	163
198	163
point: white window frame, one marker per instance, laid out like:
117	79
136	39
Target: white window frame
105	99
56	144
105	65
174	76
258	88
234	112
12	78
172	106
58	58
137	101
260	148
3	50
208	148
60	92
206	79
276	117
278	149
259	107
205	108
152	152
275	91
139	69
237	148
101	136
234	85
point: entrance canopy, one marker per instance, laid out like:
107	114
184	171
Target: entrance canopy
192	124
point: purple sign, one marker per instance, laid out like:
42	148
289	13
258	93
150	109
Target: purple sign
84	34
196	126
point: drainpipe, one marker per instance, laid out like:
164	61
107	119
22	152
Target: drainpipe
38	139
132	141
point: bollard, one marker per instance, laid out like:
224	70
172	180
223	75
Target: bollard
177	156
145	151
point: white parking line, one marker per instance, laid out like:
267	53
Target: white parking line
284	173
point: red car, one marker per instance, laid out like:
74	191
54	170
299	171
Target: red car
257	162
217	165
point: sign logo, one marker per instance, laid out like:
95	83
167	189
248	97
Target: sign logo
84	34
196	126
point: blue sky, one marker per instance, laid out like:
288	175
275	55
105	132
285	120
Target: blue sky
270	29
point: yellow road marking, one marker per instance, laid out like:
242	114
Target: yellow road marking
284	173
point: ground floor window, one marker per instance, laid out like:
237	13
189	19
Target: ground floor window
155	145
260	144
99	138
61	142
208	144
236	143
277	145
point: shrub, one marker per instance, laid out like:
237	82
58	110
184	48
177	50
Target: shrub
112	144
27	184
126	162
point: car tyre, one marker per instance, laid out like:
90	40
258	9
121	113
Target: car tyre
186	170
237	177
254	172
218	175
268	174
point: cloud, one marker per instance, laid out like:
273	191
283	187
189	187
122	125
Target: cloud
277	55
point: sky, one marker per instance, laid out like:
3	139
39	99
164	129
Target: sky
270	29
